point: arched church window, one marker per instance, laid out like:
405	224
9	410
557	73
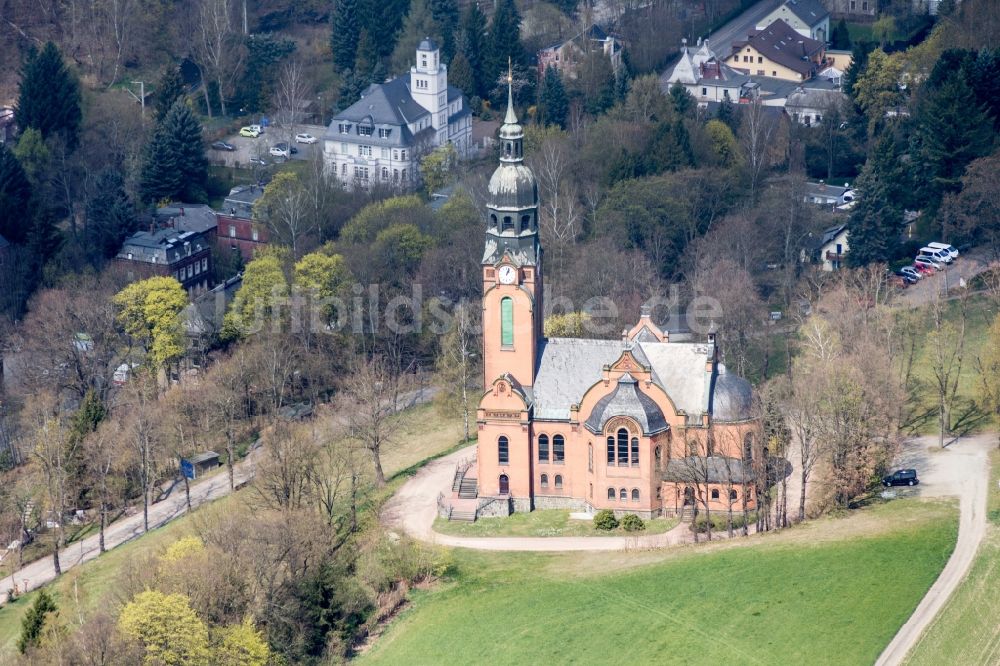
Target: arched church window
658	457
545	480
525	222
732	494
590	457
635	450
558	449
543	448
508	223
507	321
623	446
748	447
503	450
635	494
558	481
611	450
623	495
509	148
493	220
611	494
715	493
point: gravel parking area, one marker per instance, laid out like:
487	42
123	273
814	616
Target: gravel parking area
247	148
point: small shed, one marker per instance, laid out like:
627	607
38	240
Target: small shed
196	465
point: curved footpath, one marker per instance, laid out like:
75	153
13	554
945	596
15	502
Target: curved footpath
967	476
414	507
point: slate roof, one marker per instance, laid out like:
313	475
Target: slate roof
204	315
164	246
240	201
187	217
627	400
732	398
782	44
812	98
715	469
810	11
568	367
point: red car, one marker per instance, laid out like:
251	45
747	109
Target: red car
925	269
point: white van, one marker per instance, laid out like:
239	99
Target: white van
941	256
950	249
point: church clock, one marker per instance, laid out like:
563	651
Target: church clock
507	274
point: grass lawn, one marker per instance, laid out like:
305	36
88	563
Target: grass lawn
423	432
832	591
547	523
967	630
966	417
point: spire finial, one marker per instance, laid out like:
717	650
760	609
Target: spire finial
510	118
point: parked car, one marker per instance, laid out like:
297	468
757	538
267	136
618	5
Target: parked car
899	281
950	249
259	128
256	161
901	477
222	145
928	262
305	138
906	278
250	131
279	151
940	256
911	272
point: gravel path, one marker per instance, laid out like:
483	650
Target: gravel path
962	469
414	507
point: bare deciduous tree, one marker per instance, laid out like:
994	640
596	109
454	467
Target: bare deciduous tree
371	390
756	130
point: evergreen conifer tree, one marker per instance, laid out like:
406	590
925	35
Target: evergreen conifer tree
472	43
876	218
345	33
670	148
503	43
33	621
446	15
840	38
461	76
952	130
15	193
859	60
44	238
175	166
553	104
419	23
682	100
170	89
110	215
367	58
49	97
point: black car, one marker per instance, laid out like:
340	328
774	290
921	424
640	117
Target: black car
901	477
222	145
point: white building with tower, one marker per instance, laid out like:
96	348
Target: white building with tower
381	137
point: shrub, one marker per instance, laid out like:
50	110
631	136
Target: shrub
632	523
719	522
605	520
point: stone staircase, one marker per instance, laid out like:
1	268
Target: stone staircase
687	514
463	516
468	488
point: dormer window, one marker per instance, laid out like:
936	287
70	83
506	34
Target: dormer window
345	128
383	133
365	130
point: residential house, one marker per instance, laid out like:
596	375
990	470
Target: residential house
809	18
178	243
237	229
822	194
808	106
830	249
853	10
705	77
203	317
381	137
780	52
839	59
566	55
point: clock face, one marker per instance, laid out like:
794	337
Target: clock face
507	275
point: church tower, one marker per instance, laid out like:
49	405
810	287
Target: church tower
512	262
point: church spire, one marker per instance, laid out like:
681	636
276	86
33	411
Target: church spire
511	118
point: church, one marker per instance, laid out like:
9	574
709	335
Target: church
642	424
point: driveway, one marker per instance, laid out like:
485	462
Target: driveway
247	148
961	469
414	507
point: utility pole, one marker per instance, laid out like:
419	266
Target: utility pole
245	31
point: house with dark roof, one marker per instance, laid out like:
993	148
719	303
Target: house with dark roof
706	77
178	243
807	17
809	106
381	137
780	52
236	227
566	55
